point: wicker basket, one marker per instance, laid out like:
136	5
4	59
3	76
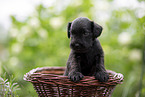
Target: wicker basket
49	82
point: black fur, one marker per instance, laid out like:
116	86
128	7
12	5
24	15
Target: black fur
86	57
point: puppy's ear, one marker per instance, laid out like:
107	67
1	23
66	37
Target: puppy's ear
68	29
97	30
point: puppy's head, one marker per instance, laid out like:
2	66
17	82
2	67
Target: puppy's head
83	32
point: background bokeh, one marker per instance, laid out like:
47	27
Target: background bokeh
39	39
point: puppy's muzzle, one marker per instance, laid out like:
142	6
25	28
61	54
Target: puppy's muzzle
77	46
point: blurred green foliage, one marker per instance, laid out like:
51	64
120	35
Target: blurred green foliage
8	88
41	40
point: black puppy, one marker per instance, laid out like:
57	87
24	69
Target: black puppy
86	57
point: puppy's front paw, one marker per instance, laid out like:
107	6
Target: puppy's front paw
102	76
75	76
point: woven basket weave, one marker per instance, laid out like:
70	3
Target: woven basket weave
49	82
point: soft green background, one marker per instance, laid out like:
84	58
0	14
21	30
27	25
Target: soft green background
41	40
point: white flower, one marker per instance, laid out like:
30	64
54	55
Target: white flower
124	38
14	32
16	48
56	22
135	55
34	22
25	30
43	33
20	37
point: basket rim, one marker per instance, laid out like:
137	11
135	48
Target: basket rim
34	77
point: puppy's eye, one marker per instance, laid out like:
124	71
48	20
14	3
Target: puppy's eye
86	34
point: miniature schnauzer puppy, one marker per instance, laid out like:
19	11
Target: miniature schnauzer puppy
86	57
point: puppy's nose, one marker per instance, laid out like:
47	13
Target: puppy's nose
77	45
